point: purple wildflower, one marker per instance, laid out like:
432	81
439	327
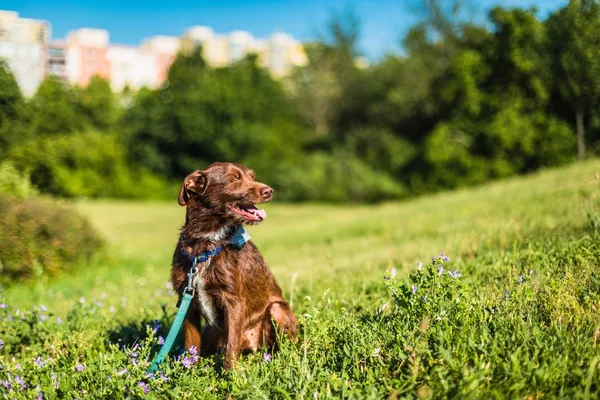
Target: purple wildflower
1	344
420	265
444	258
59	320
43	308
267	357
6	384
414	289
433	258
161	340
163	376
393	272
440	270
39	362
169	285
521	279
156	326
40	395
3	305
42	318
122	372
79	367
149	375
192	359
18	366
11	318
187	362
144	386
55	380
20	381
455	274
134	353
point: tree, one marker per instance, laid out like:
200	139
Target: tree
328	92
13	112
98	104
207	115
575	39
55	109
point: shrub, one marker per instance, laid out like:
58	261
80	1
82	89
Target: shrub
89	164
339	177
41	236
13	183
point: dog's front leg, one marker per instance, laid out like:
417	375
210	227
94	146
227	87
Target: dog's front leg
234	335
191	329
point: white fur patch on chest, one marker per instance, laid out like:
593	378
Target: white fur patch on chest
216	236
206	303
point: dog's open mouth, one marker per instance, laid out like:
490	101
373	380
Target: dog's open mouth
251	213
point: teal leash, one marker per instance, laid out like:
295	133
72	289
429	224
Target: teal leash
186	300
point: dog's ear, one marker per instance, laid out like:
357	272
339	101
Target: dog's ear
196	182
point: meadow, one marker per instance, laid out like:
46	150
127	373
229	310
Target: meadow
510	310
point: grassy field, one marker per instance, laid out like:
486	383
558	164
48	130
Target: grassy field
521	322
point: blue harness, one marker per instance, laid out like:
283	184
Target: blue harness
238	240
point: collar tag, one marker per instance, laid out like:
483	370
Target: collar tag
239	237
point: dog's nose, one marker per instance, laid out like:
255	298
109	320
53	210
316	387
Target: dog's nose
266	192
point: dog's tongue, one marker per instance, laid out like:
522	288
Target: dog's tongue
261	213
257	211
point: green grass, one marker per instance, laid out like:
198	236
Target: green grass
490	333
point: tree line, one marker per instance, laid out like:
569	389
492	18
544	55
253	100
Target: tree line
464	103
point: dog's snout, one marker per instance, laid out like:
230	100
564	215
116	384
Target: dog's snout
266	192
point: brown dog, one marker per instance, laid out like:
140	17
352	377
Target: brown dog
234	290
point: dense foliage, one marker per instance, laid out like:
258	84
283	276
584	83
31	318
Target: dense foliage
464	103
41	237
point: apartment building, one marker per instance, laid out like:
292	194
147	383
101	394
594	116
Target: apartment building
283	53
279	53
23	46
165	50
26	48
56	65
86	55
132	67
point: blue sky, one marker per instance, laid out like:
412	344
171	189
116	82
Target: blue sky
383	22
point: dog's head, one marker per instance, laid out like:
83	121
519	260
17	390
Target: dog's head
227	189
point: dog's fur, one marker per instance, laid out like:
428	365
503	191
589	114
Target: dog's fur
234	291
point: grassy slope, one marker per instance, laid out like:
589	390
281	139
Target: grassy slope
333	242
492	233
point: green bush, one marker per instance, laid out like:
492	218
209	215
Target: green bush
15	184
339	177
89	164
41	236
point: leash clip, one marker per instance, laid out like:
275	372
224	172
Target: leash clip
190	285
